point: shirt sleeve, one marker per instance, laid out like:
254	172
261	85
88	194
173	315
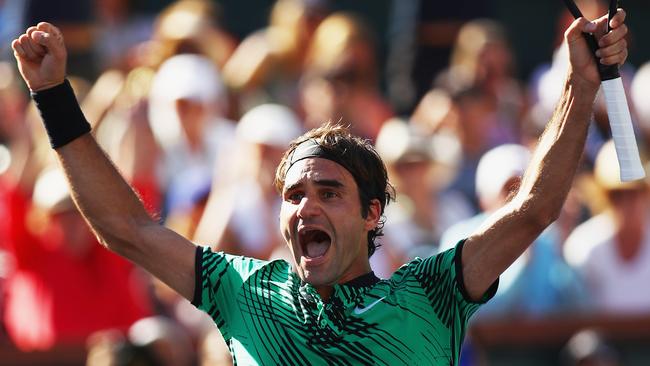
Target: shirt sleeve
441	278
219	279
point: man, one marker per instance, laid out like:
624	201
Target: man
538	283
63	286
329	308
611	250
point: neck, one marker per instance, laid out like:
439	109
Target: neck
325	292
629	243
367	279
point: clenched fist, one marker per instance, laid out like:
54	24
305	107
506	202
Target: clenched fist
41	56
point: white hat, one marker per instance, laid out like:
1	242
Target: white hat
398	141
497	166
188	76
269	124
549	87
185	76
640	93
51	192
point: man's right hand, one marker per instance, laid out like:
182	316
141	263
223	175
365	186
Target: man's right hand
41	56
612	48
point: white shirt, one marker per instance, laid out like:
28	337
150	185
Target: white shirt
617	286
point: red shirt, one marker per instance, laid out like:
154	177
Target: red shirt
53	296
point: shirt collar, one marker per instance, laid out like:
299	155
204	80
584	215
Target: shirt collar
365	280
345	294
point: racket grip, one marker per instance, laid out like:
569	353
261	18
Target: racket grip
622	131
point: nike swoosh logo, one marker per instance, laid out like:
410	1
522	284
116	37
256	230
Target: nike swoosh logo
359	311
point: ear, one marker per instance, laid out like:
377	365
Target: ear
374	214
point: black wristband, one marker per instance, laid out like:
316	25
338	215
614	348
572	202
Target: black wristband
63	119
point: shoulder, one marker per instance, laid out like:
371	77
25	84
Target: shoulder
218	274
209	261
426	269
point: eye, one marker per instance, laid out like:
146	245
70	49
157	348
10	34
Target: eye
329	195
294	197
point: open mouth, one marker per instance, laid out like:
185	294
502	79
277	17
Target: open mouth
314	243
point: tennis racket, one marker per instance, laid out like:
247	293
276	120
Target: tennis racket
617	109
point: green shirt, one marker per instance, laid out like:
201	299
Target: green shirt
269	317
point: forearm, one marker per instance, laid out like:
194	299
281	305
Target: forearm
119	219
510	230
555	160
107	202
104	198
549	176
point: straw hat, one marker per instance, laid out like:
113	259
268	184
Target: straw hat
606	170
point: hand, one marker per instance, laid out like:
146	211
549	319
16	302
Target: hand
41	56
612	47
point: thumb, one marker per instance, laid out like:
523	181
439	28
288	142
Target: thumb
577	28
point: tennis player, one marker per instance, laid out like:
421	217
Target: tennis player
327	307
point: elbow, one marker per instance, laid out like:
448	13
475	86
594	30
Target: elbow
119	235
539	213
546	218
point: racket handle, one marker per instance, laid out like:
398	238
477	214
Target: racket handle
622	131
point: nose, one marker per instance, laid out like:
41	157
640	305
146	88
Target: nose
308	207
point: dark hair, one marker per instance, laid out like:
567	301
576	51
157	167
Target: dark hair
357	156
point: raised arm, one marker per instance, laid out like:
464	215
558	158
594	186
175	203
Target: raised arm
107	202
510	230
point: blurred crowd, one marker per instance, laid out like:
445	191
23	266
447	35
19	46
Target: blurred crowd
197	118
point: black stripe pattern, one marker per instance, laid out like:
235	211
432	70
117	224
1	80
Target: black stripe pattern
269	317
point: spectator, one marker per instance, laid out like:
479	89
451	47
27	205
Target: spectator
268	64
341	77
262	134
488	101
539	283
119	28
423	208
52	249
112	348
186	108
589	348
612	249
476	129
190	26
120	103
482	58
169	342
153	341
